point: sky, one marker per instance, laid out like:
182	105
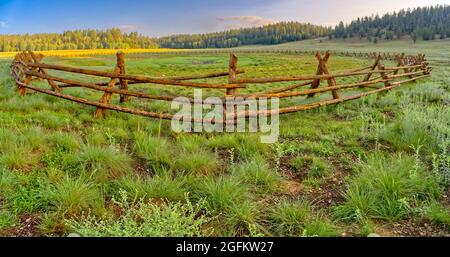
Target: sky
160	18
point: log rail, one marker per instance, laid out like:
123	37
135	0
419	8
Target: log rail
28	66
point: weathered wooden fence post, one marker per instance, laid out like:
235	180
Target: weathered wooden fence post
331	81
399	62
232	73
37	58
323	70
316	82
231	92
372	68
383	75
106	98
25	57
123	82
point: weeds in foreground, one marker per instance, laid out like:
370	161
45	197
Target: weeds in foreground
420	126
145	219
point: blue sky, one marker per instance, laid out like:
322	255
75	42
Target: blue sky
157	18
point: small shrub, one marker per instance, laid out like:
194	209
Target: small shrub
441	164
419	126
317	167
298	163
144	219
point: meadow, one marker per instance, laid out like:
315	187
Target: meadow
380	164
88	52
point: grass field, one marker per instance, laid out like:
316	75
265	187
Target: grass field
376	165
89	52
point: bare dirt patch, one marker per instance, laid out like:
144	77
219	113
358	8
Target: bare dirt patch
412	228
28	227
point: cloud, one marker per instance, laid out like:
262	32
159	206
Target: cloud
235	22
128	27
3	24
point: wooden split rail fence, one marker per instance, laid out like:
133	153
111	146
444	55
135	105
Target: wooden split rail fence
28	67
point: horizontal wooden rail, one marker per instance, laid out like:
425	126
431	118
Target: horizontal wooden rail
163	116
132	77
250	114
313	77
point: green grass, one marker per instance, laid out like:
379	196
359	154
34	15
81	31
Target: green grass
438	214
104	163
72	171
73	197
230	199
257	174
299	219
162	186
387	188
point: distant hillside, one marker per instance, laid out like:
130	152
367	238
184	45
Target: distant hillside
76	39
426	23
268	35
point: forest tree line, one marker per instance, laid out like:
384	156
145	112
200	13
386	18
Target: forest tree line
76	39
425	23
266	35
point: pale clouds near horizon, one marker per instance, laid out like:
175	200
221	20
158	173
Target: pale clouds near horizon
235	22
330	12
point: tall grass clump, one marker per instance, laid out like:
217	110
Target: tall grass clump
426	126
298	218
140	218
246	145
258	174
156	151
72	197
104	163
228	198
438	214
199	162
387	188
161	186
